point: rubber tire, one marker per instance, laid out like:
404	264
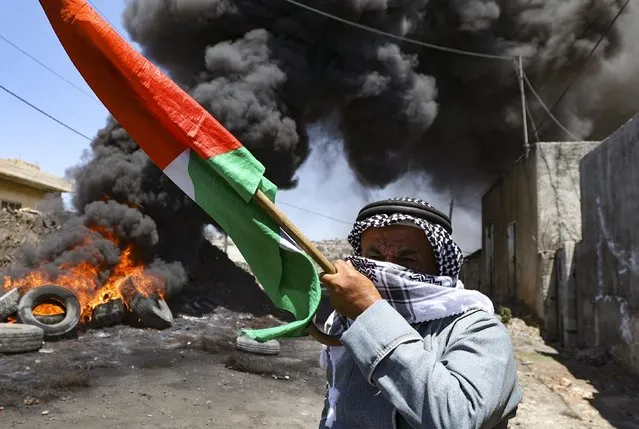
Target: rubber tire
247	344
108	314
17	338
9	303
50	319
153	311
63	297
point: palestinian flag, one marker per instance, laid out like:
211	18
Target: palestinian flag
195	151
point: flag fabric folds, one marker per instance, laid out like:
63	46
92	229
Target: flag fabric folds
195	151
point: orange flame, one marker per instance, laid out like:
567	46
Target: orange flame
83	280
48	310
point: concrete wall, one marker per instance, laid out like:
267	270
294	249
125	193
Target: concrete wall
608	256
472	273
511	200
558	220
540	197
19	193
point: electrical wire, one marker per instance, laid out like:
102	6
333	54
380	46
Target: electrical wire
550	114
315	213
395	36
27	54
44	113
580	71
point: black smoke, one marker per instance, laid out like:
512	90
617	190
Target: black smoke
121	200
269	69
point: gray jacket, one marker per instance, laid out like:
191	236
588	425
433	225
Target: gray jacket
458	372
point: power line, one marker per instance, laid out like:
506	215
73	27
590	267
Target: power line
19	49
580	71
44	113
402	38
315	213
543	105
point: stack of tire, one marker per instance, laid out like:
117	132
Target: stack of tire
31	331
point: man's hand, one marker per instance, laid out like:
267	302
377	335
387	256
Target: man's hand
351	292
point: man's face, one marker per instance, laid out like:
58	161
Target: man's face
402	245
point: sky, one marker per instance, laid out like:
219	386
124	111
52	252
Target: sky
323	205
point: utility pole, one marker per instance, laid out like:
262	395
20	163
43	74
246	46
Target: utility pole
520	73
450	210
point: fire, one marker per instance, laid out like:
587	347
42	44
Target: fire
48	310
84	280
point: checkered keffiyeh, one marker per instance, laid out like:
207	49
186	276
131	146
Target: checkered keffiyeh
447	254
417	297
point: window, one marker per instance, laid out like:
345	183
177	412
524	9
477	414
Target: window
10	205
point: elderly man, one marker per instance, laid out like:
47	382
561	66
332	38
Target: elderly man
419	351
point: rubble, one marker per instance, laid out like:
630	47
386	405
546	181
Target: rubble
22	227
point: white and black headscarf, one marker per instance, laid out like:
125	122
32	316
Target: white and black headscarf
448	256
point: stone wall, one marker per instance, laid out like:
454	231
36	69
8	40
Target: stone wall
608	256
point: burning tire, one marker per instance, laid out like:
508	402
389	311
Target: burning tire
16	338
50	319
58	296
108	314
248	344
152	311
9	303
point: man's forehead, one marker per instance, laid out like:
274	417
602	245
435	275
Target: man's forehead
397	231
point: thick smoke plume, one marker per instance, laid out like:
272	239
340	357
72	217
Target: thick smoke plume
121	200
269	69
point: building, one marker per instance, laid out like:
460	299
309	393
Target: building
607	259
471	272
23	184
527	215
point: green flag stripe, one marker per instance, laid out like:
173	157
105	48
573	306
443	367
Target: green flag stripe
287	275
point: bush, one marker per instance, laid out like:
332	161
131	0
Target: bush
505	314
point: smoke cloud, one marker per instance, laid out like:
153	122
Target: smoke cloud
269	69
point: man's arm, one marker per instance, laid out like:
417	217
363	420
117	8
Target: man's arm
469	387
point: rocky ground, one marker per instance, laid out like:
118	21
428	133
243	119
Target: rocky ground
191	376
570	390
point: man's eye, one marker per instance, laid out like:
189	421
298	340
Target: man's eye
374	255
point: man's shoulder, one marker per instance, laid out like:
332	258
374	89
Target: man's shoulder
477	321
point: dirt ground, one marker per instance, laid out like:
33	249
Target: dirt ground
190	376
